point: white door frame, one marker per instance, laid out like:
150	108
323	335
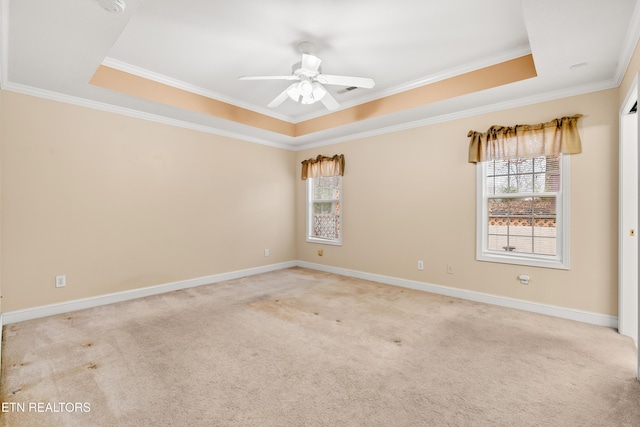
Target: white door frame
628	241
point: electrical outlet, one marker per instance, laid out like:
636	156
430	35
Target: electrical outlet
61	281
449	268
420	265
266	252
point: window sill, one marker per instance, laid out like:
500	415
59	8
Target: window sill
523	260
324	241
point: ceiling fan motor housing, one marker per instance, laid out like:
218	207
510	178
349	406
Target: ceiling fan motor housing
113	6
297	70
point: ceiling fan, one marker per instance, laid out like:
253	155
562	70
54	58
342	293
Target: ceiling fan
308	87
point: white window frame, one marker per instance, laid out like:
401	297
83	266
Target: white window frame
560	260
310	201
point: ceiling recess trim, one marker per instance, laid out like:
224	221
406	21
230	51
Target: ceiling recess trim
506	72
432	78
120	81
496	75
169	81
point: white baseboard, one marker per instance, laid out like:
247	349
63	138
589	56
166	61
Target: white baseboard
550	310
80	304
65	307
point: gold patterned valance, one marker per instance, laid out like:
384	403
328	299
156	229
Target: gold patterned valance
323	166
543	139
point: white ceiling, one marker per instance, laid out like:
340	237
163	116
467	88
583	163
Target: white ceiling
52	48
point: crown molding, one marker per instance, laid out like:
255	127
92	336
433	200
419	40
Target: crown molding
102	106
432	78
629	46
535	99
293	146
179	84
443	75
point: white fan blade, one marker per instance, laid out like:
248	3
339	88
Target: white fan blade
364	82
310	63
280	98
329	102
289	77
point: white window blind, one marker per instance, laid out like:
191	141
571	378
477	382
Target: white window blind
324	209
523	211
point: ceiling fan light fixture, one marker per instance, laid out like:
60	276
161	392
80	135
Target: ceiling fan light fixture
305	87
309	86
294	92
318	91
306	92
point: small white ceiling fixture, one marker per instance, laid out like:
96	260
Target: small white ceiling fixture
113	6
577	66
309	89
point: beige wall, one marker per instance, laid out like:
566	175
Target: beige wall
117	203
411	195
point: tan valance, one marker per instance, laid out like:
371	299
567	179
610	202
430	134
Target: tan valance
544	139
323	166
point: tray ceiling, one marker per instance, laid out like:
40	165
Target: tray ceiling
411	48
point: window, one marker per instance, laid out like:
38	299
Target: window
523	211
324	210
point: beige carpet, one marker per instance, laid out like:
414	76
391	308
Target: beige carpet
304	348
